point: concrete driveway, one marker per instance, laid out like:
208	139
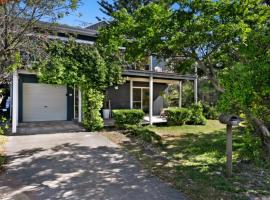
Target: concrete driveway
76	166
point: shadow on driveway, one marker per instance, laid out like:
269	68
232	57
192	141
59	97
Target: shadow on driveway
76	170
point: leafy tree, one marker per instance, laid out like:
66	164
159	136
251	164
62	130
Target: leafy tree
19	21
194	33
82	66
211	35
110	7
247	84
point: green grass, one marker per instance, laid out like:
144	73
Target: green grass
211	125
196	163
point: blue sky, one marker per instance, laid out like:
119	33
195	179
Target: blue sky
89	10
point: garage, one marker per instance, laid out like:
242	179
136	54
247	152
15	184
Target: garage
43	102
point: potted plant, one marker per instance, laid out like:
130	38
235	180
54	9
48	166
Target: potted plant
106	111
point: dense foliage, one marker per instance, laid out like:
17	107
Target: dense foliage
92	103
247	84
18	21
108	7
197	117
128	117
191	115
177	116
83	66
204	34
210	112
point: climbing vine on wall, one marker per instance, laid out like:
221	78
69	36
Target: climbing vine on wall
85	66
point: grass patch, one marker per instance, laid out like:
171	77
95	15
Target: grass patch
195	163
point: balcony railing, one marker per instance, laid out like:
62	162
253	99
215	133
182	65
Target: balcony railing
158	65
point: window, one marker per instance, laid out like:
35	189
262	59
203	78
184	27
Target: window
141	98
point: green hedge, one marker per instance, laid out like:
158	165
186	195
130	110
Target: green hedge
177	116
192	115
127	117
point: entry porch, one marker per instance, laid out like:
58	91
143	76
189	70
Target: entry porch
144	90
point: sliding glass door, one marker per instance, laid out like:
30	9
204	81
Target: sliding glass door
141	98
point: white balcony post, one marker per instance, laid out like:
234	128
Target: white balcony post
15	91
196	86
131	94
180	94
151	92
79	105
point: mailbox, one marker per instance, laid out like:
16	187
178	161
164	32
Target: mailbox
232	120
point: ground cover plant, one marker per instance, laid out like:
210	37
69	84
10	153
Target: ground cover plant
144	133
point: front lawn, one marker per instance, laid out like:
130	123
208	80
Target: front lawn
195	163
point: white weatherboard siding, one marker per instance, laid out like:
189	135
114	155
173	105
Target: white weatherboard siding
43	102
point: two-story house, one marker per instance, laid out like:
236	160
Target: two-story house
36	102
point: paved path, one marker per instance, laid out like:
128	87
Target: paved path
76	166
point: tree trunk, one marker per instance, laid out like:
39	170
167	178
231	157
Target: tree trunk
264	134
211	76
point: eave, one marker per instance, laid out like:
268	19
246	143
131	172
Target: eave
159	75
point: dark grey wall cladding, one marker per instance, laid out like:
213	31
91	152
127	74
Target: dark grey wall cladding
24	78
120	97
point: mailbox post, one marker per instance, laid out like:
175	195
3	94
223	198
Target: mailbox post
230	121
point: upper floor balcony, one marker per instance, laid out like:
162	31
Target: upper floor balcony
158	67
153	63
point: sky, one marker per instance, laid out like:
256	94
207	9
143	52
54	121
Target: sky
89	10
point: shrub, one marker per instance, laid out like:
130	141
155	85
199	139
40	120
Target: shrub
177	116
197	117
144	134
3	125
210	112
92	103
127	117
251	147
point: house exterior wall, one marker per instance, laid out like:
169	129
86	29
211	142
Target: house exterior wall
120	98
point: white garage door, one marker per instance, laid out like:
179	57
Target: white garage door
43	102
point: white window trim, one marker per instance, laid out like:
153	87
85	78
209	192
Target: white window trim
141	101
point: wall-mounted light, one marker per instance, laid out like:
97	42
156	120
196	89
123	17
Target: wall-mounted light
116	87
